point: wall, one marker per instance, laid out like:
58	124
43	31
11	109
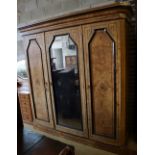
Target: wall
34	10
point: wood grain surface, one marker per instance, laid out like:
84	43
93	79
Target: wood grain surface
102	82
36	71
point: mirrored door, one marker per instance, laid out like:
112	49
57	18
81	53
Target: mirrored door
66	72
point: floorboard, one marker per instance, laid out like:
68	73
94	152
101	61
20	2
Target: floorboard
31	143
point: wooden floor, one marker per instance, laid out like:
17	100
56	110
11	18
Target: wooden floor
30	143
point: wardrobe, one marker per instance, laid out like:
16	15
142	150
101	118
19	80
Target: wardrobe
77	68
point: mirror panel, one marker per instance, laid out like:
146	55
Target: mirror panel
66	83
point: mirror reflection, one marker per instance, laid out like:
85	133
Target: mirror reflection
66	84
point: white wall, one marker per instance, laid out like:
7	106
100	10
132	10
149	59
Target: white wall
61	44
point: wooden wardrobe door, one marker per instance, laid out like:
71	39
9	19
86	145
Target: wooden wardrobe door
38	77
67	80
104	81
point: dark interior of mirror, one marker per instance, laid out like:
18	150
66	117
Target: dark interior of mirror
66	82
